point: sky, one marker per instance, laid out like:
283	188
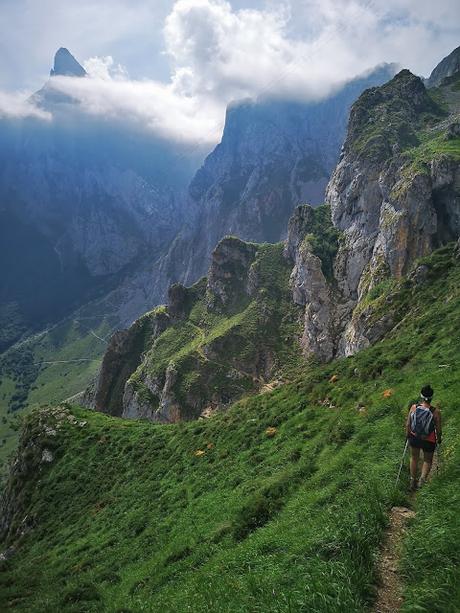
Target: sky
175	66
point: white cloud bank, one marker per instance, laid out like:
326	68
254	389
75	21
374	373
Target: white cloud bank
297	50
18	106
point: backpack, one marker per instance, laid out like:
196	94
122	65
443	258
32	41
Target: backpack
422	421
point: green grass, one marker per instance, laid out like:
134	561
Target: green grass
25	384
433	147
431	559
128	518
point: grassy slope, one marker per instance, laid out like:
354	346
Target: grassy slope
128	518
215	353
24	385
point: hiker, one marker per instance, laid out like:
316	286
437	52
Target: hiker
424	432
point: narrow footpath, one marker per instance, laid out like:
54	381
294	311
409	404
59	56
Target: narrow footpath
390	588
389	594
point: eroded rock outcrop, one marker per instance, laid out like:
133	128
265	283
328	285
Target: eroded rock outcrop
214	342
393	198
310	286
229	273
121	359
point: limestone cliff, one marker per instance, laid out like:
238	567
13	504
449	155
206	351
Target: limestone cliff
449	66
274	155
394	194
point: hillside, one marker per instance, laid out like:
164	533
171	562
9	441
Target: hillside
278	504
246	436
234	331
49	367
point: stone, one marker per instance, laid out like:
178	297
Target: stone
47	456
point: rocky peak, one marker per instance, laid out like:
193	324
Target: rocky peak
449	66
394	194
65	65
384	119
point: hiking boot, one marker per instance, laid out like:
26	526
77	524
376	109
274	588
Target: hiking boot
413	485
421	482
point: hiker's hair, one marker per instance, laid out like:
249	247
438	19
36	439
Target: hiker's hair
427	392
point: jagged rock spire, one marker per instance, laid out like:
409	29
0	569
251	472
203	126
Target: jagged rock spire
66	65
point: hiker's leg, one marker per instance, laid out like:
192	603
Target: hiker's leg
427	462
414	456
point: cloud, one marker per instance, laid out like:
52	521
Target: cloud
302	49
148	104
19	106
105	68
217	53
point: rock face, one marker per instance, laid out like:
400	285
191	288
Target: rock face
392	196
121	359
449	66
229	274
273	156
310	287
66	65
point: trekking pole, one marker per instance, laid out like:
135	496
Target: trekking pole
402	461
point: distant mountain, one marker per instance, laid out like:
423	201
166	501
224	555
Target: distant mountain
449	66
330	292
66	65
273	155
82	201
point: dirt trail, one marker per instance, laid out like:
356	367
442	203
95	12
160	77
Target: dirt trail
389	593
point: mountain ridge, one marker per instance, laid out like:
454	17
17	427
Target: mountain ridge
383	216
280	501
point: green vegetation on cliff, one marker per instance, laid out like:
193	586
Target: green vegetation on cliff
278	504
323	238
228	334
391	116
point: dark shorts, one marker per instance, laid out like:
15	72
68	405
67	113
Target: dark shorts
418	443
